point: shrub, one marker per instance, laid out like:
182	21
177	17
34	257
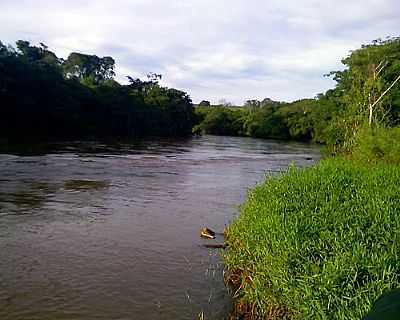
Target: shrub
374	145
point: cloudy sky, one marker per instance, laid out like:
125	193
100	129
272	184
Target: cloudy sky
213	49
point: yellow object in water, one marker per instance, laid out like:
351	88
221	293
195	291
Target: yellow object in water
207	233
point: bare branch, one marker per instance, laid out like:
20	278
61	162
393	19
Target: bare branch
380	67
386	91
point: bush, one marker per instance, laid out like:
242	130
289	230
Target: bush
373	145
319	243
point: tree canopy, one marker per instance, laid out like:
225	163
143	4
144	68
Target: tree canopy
45	97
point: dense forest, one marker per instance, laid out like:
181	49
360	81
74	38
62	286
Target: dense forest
366	94
44	97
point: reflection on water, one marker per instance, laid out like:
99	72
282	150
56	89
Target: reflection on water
111	231
23	198
79	185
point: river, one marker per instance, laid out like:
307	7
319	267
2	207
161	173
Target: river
111	231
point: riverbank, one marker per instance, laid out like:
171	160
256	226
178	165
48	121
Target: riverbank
317	243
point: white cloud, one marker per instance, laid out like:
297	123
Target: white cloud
233	49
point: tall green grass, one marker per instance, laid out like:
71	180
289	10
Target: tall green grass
321	243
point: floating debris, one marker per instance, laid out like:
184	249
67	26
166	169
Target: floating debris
207	233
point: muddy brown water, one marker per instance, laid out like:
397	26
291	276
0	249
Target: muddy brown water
111	231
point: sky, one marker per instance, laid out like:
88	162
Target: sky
234	50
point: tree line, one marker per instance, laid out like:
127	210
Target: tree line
46	97
300	120
366	95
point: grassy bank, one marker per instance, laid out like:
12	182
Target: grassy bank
318	243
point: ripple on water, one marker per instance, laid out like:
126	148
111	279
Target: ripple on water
99	231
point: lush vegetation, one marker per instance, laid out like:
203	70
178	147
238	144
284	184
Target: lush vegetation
323	242
303	120
331	118
316	243
45	97
377	145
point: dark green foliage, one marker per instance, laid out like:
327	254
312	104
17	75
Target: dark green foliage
303	120
44	97
89	68
219	121
265	122
321	242
39	54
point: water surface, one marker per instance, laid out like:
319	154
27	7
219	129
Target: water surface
111	231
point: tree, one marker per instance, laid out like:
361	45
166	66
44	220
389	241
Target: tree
154	77
89	68
205	103
252	105
6	51
371	70
39	54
